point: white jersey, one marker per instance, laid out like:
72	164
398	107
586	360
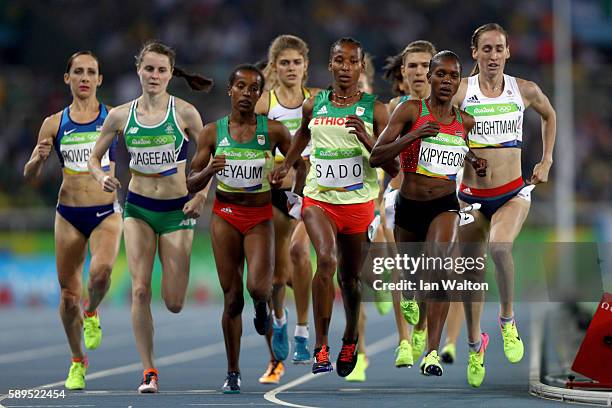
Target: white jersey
290	117
499	121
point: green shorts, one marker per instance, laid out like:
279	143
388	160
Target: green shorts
163	216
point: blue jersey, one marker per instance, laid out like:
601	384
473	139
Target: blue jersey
74	142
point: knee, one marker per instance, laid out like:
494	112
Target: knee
100	275
327	263
174	306
259	293
69	299
234	303
350	282
501	252
298	253
141	295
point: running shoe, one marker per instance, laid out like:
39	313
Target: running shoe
301	354
232	383
410	311
449	353
92	332
403	354
347	359
513	345
149	383
273	373
321	360
76	375
262	317
383	301
419	340
359	372
476	368
280	339
430	365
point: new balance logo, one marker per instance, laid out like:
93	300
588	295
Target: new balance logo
473	99
322	111
187	222
227	210
132	130
224	142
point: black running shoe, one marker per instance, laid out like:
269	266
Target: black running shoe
262	318
321	360
232	383
347	357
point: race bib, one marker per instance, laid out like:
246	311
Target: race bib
76	150
244	169
441	156
152	154
339	169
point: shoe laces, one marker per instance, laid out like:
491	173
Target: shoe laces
322	356
148	377
509	332
347	352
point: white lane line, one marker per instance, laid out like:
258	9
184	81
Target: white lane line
375	348
165	331
198	353
48	406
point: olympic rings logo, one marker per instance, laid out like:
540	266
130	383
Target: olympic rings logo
504	109
250	155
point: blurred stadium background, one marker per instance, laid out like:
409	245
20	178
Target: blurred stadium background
212	36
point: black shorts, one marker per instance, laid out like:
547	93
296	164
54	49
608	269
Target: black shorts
279	200
415	216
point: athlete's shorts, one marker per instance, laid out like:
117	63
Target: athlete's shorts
242	217
349	218
86	219
491	199
163	216
416	216
279	200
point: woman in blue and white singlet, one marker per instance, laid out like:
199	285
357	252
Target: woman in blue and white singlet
497	101
85	214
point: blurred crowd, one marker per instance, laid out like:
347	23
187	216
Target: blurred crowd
211	36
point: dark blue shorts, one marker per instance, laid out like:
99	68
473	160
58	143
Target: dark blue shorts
86	219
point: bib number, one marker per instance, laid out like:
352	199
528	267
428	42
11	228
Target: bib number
441	156
339	169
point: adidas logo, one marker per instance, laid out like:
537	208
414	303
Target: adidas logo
467	190
224	142
227	210
322	111
473	99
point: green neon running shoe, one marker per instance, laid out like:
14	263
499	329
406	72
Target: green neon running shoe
76	376
359	372
403	354
449	353
513	345
92	332
476	368
410	311
431	364
419	340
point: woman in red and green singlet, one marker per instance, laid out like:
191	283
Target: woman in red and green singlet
241	225
340	193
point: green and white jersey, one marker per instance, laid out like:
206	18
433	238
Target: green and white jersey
499	121
340	171
247	165
155	150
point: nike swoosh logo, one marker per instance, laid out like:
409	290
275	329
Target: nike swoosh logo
67	132
103	214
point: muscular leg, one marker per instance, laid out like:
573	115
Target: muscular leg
401	236
282	262
140	246
506	224
104	247
350	249
322	233
453	322
442	231
70	250
174	255
229	258
299	251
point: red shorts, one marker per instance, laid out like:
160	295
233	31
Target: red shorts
241	217
349	218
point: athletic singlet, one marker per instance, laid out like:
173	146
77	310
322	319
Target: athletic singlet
440	156
290	117
499	121
340	171
247	165
74	143
155	150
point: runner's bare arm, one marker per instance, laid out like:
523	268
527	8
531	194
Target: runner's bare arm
113	126
40	154
282	138
202	168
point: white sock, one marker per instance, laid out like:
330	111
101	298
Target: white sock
280	322
301	331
